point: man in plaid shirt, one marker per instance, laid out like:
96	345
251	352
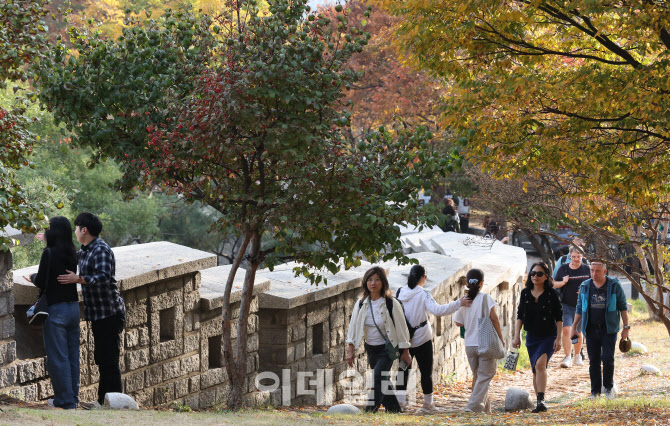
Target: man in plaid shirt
103	305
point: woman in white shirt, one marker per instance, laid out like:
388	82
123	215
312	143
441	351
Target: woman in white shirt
418	303
483	369
370	320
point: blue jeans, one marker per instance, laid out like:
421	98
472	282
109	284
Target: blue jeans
384	394
61	342
600	347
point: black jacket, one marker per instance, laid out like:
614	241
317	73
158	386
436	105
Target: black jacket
541	322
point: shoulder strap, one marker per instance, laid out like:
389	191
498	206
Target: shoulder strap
397	293
389	307
372	314
485	305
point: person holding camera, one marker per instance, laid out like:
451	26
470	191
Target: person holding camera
418	304
378	319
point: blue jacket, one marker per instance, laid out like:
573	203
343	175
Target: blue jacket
616	302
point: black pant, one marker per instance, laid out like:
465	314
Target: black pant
382	389
107	339
600	346
424	359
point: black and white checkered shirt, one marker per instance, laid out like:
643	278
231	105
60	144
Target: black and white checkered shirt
102	298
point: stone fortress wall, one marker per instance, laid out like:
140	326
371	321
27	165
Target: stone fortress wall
172	342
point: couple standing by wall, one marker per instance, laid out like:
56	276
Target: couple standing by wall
103	307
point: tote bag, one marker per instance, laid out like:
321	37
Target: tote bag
489	344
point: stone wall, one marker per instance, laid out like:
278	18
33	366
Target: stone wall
296	332
171	345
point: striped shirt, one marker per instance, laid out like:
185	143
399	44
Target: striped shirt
102	298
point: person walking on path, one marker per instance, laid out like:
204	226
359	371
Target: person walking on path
378	318
103	306
483	369
418	303
61	329
568	279
601	306
541	314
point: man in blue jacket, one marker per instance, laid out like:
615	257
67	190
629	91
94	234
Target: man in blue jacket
601	305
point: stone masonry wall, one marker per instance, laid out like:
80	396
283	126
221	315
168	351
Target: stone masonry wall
171	347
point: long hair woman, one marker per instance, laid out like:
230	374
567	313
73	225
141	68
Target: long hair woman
61	329
541	314
371	321
483	369
418	304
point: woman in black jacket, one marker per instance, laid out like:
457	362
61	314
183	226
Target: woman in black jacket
61	329
541	314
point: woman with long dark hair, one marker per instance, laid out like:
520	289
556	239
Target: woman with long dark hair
418	304
61	329
541	314
483	369
377	317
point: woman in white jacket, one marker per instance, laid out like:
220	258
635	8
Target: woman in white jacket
418	304
370	320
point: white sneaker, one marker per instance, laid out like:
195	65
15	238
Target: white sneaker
567	362
50	403
403	405
609	394
578	360
429	408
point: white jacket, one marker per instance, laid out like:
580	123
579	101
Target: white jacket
398	334
418	302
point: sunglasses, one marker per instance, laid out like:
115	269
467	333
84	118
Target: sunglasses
539	274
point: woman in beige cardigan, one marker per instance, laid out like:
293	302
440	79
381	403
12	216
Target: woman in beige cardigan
370	321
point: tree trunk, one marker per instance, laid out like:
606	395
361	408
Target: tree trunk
225	314
546	255
238	373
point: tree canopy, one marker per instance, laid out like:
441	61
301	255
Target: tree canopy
244	112
578	89
22	39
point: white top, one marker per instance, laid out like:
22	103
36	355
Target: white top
372	335
396	331
418	303
469	317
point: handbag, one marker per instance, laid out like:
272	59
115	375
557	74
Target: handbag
489	344
39	312
392	351
512	359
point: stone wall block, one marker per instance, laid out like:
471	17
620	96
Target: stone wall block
252	343
181	388
193	401
8	327
171	370
163	393
134	382
213	377
194	384
137	359
144	397
30	370
190	365
153	375
4	304
298	331
45	389
337	319
132	338
191	301
136	315
317	315
207	398
300	349
191	343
